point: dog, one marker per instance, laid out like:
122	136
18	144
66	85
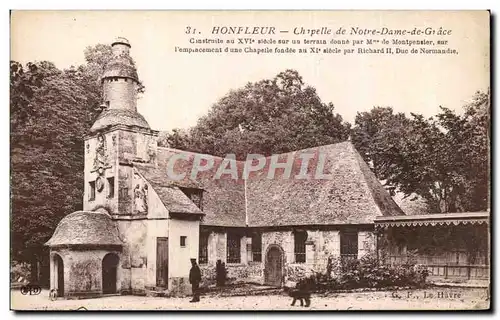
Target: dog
300	292
53	294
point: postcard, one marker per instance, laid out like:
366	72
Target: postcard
250	160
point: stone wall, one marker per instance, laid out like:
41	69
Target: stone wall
120	148
82	271
138	145
251	272
125	190
101	199
245	271
134	261
321	245
121	93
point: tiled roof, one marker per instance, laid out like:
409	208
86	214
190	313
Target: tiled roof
223	201
352	196
170	195
85	228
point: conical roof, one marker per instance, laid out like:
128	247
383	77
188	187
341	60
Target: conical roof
85	228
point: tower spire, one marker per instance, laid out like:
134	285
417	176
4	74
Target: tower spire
120	83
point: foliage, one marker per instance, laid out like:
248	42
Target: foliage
367	272
51	111
19	270
47	163
444	159
270	116
178	138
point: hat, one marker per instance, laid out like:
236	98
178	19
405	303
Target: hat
193	259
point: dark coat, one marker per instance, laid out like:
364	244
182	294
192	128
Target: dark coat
195	274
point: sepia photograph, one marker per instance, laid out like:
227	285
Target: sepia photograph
250	160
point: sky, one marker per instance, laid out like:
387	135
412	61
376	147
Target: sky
181	87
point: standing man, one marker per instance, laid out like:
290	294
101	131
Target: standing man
194	279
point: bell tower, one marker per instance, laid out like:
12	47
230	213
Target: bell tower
120	83
120	80
119	137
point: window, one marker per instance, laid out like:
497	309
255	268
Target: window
233	248
111	187
183	241
195	195
123	192
348	246
348	243
92	190
203	250
300	238
257	247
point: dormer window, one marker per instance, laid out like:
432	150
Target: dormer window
195	195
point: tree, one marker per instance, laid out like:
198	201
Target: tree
51	111
377	136
443	159
46	153
270	116
97	57
467	147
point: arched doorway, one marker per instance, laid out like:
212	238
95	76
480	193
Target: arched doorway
59	274
273	271
109	273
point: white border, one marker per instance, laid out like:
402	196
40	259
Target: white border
212	5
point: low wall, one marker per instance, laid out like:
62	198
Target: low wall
237	273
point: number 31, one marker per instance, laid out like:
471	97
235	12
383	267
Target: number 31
190	30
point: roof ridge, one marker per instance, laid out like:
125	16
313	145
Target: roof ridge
347	142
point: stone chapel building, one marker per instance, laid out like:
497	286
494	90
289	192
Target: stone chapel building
139	227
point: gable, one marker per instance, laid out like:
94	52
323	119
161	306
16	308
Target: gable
173	199
223	200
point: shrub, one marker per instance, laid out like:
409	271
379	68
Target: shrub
367	272
19	270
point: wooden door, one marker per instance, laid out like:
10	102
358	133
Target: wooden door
274	267
109	273
162	262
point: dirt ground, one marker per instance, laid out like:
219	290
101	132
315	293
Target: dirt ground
435	298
